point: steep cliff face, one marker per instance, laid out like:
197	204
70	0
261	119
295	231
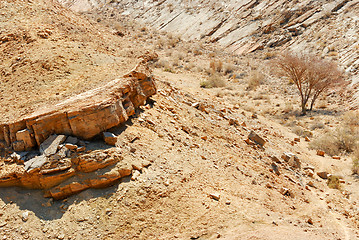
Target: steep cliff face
327	28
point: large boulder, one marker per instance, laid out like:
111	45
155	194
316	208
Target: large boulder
85	115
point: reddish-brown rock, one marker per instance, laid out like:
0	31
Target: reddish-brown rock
64	177
85	115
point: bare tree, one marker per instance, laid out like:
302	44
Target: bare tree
311	75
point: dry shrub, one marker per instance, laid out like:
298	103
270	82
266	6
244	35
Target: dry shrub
190	67
344	139
288	107
216	66
317	125
302	132
333	182
162	64
261	96
213	81
160	43
171	43
255	79
229	68
269	55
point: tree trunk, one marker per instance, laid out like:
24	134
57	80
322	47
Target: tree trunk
316	95
304	110
312	104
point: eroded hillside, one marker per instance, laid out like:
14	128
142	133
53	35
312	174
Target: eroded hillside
328	28
49	53
219	151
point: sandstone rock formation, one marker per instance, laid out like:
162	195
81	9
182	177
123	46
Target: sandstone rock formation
85	115
63	177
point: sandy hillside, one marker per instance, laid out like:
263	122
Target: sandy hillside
49	53
207	179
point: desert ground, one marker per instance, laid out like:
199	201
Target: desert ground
221	150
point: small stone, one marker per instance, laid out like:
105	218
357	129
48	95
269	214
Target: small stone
336	157
307	139
284	191
36	162
195	105
256	138
71	146
233	121
296	139
275	168
51	144
109	138
310	221
323	175
320	153
61	236
62	153
309	172
215	196
135	175
228	202
146	163
311	184
292	159
137	165
82	219
204	137
25	136
81	149
108	211
15	156
25	216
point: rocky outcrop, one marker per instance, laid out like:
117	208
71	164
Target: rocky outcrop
85	115
67	176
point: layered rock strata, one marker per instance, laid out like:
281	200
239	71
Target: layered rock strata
61	178
84	115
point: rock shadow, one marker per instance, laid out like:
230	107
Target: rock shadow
46	208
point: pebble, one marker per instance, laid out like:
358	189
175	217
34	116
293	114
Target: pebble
25	216
215	196
61	236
